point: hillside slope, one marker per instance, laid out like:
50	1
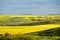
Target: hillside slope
50	32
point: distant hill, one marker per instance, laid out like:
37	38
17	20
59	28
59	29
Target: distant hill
53	14
50	32
1	14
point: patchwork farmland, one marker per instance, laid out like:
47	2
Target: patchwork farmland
24	24
28	23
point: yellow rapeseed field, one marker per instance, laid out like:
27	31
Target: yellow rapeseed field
25	29
26	16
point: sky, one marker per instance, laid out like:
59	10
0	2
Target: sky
29	6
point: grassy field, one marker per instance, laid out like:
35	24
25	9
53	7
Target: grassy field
27	37
25	29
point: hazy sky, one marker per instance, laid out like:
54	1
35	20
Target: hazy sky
29	6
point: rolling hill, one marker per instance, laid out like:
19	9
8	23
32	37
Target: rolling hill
49	32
